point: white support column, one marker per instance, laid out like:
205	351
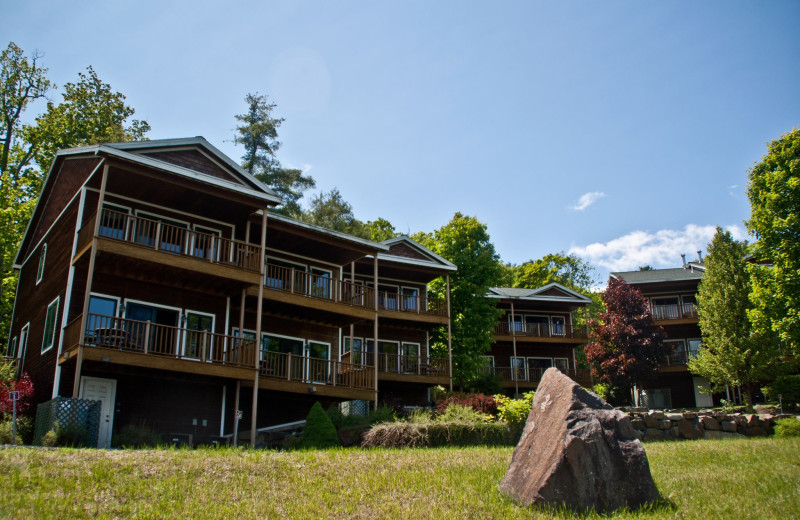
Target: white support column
259	309
375	325
449	333
514	344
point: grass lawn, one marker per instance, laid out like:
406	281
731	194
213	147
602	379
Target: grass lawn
738	479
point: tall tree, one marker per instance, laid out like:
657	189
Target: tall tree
625	346
379	230
774	193
465	241
732	352
90	112
258	133
331	211
568	270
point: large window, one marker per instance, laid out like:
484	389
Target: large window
51	318
114	221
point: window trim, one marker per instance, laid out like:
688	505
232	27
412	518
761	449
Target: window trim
42	262
45	347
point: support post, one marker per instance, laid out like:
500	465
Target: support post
76	385
259	309
236	413
375	324
514	359
449	333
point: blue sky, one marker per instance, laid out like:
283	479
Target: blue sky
618	130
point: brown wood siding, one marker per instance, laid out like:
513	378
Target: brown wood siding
68	179
554	291
193	160
406	251
32	301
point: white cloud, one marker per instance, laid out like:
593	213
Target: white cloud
732	190
587	199
660	249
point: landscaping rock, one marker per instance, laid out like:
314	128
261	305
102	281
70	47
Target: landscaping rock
689	429
673	416
652	434
709	423
577	451
650	421
690	415
757	431
638	423
721	435
728	426
664	424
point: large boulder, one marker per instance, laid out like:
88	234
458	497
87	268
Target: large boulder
577	451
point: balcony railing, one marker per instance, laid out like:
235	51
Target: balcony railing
177	240
540	330
316	371
317	286
415	304
676	358
533	375
149	338
409	365
674	311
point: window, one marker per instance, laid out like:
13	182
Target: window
357	356
518	371
410	298
23	343
320	283
677	352
279	275
50	326
205	243
694	347
12	351
197	338
40	269
561	364
557	325
538	326
171	234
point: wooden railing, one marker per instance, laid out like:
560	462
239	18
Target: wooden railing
322	287
410	365
540	330
415	304
533	375
161	340
674	311
177	240
316	371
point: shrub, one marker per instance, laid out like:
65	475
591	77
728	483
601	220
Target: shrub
71	435
788	387
24	430
419	416
787	427
486	383
320	431
436	434
132	436
514	412
382	414
478	402
603	390
463	414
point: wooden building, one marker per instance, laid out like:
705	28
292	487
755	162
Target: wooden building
534	333
153	278
672	295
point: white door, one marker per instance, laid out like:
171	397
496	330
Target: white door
105	391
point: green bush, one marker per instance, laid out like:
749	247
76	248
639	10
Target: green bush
436	434
462	414
603	390
132	436
72	435
381	415
319	432
24	430
419	416
514	412
788	427
788	387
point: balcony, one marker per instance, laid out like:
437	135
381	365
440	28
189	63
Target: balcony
392	304
153	240
150	345
530	377
683	311
419	369
539	331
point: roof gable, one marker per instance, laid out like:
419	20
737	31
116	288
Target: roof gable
403	248
550	292
194	159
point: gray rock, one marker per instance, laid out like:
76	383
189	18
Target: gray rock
653	434
690	415
711	435
638	423
577	451
728	426
673	416
650	421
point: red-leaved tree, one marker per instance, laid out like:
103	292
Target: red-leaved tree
625	346
24	386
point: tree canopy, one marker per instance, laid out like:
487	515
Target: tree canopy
625	346
732	353
89	113
258	133
774	193
465	241
568	270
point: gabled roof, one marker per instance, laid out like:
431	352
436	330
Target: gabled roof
424	257
199	142
552	292
692	271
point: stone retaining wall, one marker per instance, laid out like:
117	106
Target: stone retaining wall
656	425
